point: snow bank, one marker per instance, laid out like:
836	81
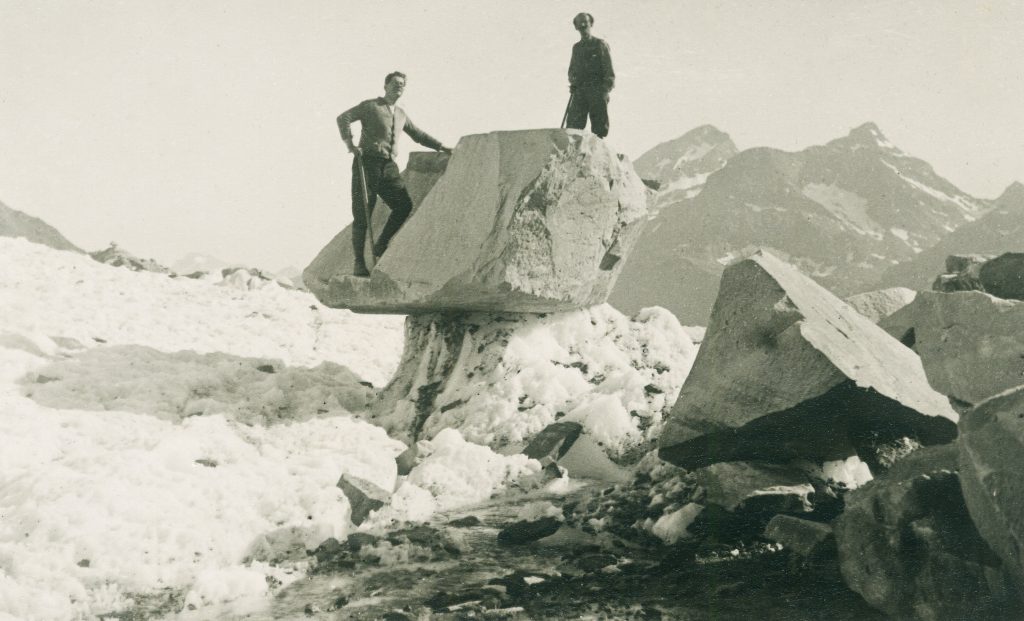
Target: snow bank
53	293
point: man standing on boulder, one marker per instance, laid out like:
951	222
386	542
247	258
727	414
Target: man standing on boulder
381	122
591	78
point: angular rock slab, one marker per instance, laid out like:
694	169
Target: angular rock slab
908	547
992	475
970	343
524	221
789	371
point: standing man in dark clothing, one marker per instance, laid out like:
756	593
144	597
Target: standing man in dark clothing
591	77
381	122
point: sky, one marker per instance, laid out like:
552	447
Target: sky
177	126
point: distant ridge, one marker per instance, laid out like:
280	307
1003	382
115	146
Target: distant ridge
14	223
998	231
843	212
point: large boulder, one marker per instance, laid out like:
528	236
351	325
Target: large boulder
991	463
970	343
788	371
908	547
1003	276
523	221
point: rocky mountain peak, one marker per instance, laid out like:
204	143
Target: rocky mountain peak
684	163
865	135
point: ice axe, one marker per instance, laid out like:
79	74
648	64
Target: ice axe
565	116
367	212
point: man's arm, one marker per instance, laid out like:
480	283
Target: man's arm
607	72
345	121
423	137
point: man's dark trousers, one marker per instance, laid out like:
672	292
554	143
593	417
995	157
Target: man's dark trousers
592	101
384	180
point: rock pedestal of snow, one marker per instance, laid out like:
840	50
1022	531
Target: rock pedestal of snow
970	343
502	378
523	221
788	371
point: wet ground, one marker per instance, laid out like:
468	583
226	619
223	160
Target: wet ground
459	570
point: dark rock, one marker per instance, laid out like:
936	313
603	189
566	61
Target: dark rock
807	539
1003	276
407	460
266	368
970	343
524	531
788	371
553	441
363	496
992	466
465	522
755	487
908	547
356	541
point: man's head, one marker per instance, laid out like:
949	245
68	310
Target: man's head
583	22
394	86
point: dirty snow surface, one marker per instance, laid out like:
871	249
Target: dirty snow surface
170	435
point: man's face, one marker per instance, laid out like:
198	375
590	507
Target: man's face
582	24
395	87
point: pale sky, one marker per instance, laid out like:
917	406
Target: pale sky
175	126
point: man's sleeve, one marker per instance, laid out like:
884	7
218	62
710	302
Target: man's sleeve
421	136
346	119
607	72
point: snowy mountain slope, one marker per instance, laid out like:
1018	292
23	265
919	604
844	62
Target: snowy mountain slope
843	212
997	231
682	165
14	223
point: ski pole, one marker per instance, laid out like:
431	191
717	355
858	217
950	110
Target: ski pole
565	116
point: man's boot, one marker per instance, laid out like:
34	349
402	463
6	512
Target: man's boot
359	269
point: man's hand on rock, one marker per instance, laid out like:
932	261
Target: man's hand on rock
444	149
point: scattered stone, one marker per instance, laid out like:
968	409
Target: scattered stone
908	547
553	441
875	305
755	487
992	462
970	343
565	443
962	273
209	463
788	371
363	496
809	540
356	541
524	531
118	257
465	522
1003	276
84	562
524	221
266	368
408	459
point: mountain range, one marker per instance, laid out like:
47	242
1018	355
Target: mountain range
846	213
